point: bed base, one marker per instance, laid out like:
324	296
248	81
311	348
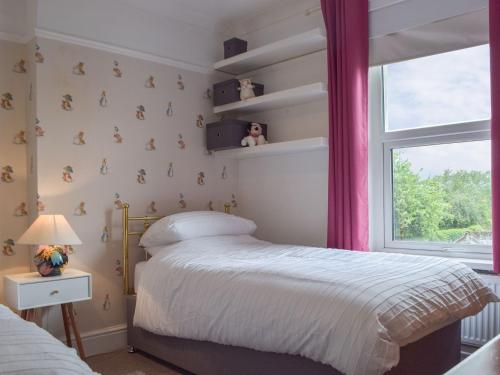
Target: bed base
432	355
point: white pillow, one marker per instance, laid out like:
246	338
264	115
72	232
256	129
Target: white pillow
188	225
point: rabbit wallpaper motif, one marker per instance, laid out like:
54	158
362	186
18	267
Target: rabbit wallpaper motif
95	155
13	164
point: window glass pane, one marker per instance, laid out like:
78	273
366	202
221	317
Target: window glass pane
442	193
448	88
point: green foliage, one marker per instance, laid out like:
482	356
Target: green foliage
439	208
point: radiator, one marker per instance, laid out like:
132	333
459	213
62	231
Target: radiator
480	328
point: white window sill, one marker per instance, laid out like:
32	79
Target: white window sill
476	264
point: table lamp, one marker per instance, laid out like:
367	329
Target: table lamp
51	233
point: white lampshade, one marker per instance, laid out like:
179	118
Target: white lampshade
49	230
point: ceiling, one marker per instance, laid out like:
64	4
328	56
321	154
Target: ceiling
216	14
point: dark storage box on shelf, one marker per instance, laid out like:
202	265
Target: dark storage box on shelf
234	46
228	91
228	133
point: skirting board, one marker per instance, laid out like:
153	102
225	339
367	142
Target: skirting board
104	340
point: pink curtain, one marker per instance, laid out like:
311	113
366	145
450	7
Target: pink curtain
347	34
495	127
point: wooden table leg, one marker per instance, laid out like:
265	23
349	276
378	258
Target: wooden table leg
76	332
64	312
29	315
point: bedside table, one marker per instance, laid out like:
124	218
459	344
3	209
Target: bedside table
29	291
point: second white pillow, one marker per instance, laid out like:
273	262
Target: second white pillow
195	224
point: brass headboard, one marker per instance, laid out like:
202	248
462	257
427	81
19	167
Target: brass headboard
126	233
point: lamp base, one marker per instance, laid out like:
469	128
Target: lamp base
50	261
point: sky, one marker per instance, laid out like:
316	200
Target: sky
436	90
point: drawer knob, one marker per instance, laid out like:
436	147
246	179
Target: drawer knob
54	292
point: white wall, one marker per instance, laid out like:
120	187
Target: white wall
287	195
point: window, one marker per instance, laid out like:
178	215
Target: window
448	88
430	154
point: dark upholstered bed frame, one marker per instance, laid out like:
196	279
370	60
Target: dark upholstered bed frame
432	355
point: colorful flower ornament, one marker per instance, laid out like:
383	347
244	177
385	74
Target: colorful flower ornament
51	260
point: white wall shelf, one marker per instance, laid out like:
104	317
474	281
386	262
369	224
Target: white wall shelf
278	99
273	53
278	148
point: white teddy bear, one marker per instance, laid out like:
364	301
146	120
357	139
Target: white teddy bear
246	89
254	137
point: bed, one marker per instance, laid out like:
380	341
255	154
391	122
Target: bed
27	349
232	304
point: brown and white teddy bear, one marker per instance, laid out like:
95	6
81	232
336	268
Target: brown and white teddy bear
254	137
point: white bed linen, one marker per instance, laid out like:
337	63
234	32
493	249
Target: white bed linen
27	349
350	310
139	269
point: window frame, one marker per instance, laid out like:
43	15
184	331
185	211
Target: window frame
381	144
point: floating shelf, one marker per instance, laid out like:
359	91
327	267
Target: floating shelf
279	148
279	99
295	46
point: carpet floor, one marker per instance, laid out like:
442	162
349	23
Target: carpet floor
124	363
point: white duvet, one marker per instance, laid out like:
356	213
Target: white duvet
26	349
350	310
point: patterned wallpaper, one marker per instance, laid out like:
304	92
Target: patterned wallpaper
13	193
112	129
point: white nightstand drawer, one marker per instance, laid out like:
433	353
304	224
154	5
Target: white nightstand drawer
53	292
30	290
